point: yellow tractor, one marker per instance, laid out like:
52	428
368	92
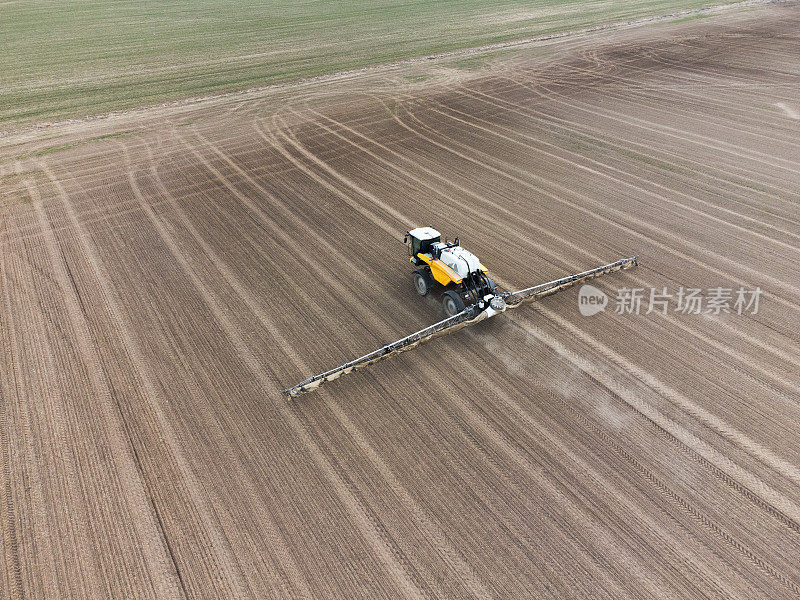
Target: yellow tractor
465	280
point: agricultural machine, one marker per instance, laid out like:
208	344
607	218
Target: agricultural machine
468	296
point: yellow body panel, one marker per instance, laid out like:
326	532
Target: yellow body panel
441	272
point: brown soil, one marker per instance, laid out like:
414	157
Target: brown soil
161	285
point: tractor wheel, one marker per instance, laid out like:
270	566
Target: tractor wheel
422	282
452	303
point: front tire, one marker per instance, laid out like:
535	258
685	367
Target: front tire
452	303
422	282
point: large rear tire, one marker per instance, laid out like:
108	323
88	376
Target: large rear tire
422	282
452	303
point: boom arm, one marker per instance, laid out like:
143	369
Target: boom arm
514	299
467	317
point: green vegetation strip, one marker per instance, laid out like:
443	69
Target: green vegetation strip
70	59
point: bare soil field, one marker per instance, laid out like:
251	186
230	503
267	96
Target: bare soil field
163	275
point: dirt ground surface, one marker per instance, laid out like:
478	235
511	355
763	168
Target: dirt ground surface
164	275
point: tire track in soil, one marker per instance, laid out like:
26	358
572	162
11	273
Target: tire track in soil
667	88
55	420
477	587
657	153
82	522
686	505
787	246
540	92
737	124
774	502
137	453
287	589
743	477
707	73
689	118
12	580
637	234
677	164
639	555
681	135
283	555
638	89
389	229
167	583
637	511
354	273
568	266
785	356
223	267
12	574
755	341
771	510
656	196
196	494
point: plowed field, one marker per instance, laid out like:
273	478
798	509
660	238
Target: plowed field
165	274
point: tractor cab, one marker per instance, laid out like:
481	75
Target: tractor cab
422	240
